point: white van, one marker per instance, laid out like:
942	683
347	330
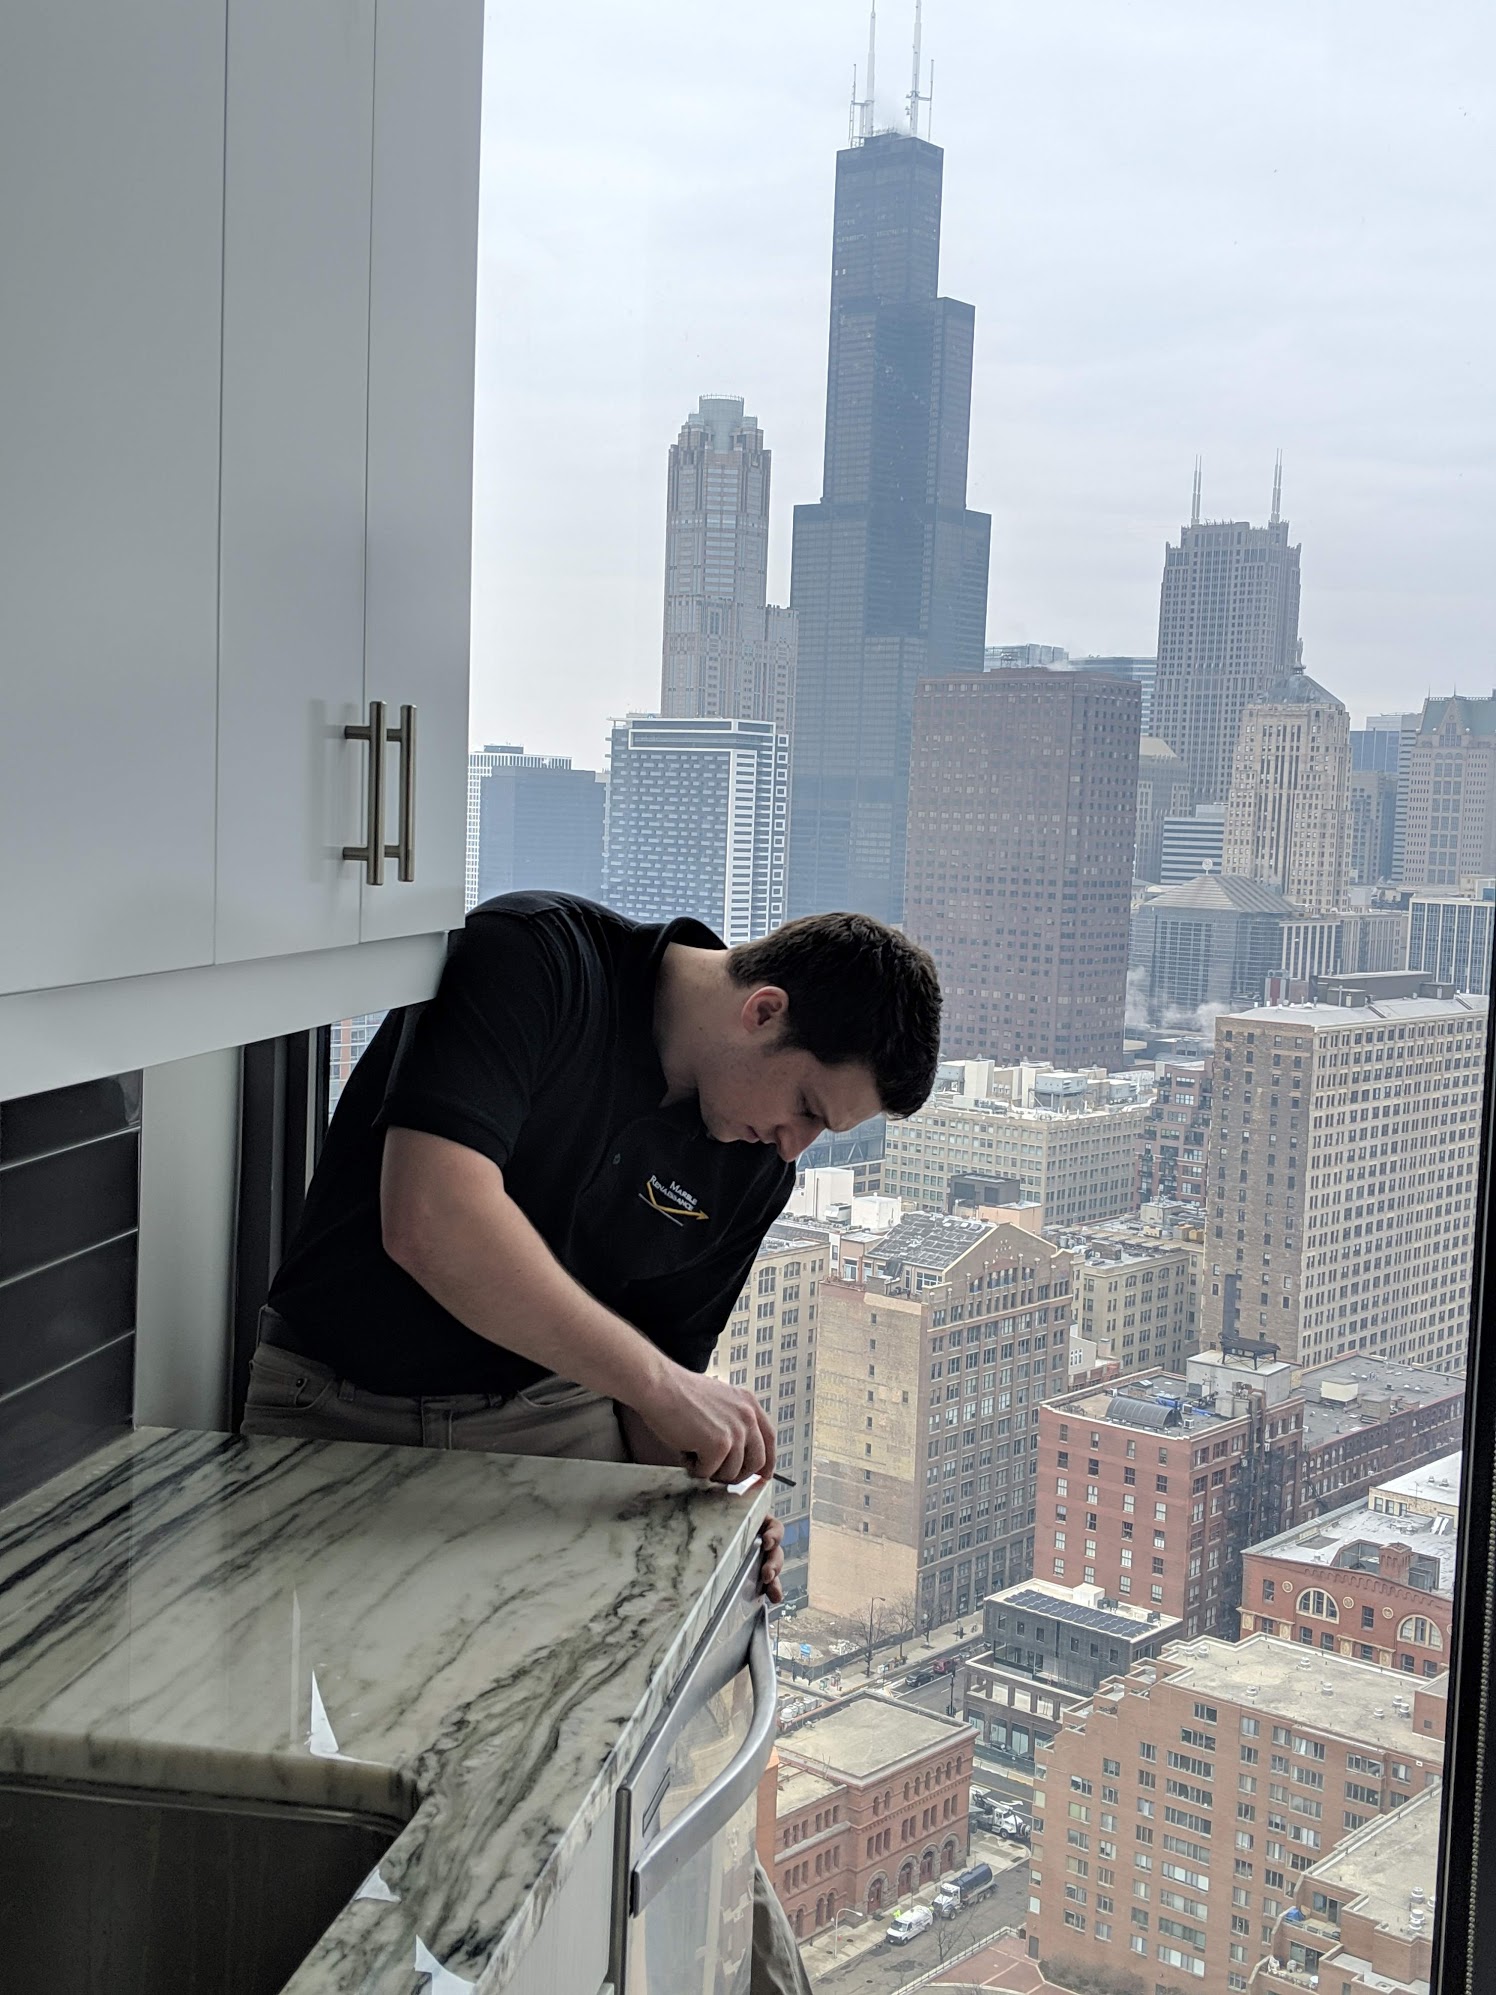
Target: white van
918	1919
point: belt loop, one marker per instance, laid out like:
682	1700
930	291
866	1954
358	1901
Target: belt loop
346	1389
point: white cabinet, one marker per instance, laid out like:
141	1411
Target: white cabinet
111	171
236	399
419	523
296	199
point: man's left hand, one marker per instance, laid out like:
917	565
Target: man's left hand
771	1537
646	1446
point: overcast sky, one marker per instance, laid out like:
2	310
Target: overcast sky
1219	228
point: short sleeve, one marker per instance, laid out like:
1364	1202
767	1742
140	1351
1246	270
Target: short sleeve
470	1060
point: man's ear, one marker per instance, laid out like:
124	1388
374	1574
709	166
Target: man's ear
763	1006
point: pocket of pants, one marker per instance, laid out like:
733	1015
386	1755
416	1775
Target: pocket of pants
289	1384
549	1393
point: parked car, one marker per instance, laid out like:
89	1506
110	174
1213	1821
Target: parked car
918	1919
918	1676
963	1889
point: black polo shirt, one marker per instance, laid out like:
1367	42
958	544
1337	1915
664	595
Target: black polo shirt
537	1051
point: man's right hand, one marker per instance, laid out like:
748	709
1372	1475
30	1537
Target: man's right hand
719	1431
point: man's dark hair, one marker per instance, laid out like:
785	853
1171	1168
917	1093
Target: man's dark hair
859	992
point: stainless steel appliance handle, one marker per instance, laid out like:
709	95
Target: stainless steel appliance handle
372	852
716	1805
404	849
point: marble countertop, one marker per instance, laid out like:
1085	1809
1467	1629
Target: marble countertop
478	1643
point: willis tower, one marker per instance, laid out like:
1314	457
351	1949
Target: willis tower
889	571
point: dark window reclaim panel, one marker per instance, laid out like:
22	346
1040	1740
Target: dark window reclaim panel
69	1219
67	1117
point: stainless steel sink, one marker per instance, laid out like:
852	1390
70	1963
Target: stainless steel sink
120	1891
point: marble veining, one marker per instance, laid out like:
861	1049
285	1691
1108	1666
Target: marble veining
491	1638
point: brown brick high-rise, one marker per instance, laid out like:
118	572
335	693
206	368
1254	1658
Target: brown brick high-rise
1022	816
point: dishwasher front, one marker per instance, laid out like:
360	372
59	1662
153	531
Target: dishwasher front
684	1848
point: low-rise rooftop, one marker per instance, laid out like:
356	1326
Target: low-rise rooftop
930	1241
867	1732
1433	1489
1363	1390
799	1788
1151	1402
1322	1691
1388	1870
1331	1540
1341	1018
1084	1607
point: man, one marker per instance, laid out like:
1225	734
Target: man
542	1192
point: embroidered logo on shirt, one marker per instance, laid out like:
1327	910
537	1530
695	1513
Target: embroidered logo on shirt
673	1201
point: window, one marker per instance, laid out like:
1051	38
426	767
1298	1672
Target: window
1316	1602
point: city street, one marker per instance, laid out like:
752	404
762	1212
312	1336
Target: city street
884	1968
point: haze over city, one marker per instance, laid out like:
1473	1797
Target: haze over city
1226	234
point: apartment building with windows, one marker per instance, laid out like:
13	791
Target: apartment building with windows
696	821
1151	1485
930	1370
1137	1298
1450	937
1362	1918
769	1344
1448	817
1171	1154
1079	1164
1176	1809
1343	1142
1023	807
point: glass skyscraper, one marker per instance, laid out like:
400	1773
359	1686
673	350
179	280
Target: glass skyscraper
889	574
1228	630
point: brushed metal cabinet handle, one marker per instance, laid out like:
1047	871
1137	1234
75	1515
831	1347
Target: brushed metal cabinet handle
373	851
404	849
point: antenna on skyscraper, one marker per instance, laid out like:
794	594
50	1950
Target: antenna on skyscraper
872	61
1195	497
860	115
915	98
1277	490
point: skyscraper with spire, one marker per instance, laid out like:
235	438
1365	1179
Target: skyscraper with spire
728	654
889	569
1228	631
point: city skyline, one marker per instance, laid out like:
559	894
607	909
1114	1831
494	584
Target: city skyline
1086	420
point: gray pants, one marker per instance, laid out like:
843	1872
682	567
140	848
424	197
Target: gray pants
292	1398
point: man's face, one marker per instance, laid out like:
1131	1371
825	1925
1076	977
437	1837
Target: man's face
755	1091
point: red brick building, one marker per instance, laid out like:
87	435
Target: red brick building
1151	1486
865	1799
1361	1582
1362	1920
1175	1811
1366	1418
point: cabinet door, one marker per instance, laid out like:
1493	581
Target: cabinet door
295	383
111	134
419	525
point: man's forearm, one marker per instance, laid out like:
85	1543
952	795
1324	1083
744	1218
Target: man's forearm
476	1253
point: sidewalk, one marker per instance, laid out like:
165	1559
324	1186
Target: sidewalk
918	1651
856	1934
